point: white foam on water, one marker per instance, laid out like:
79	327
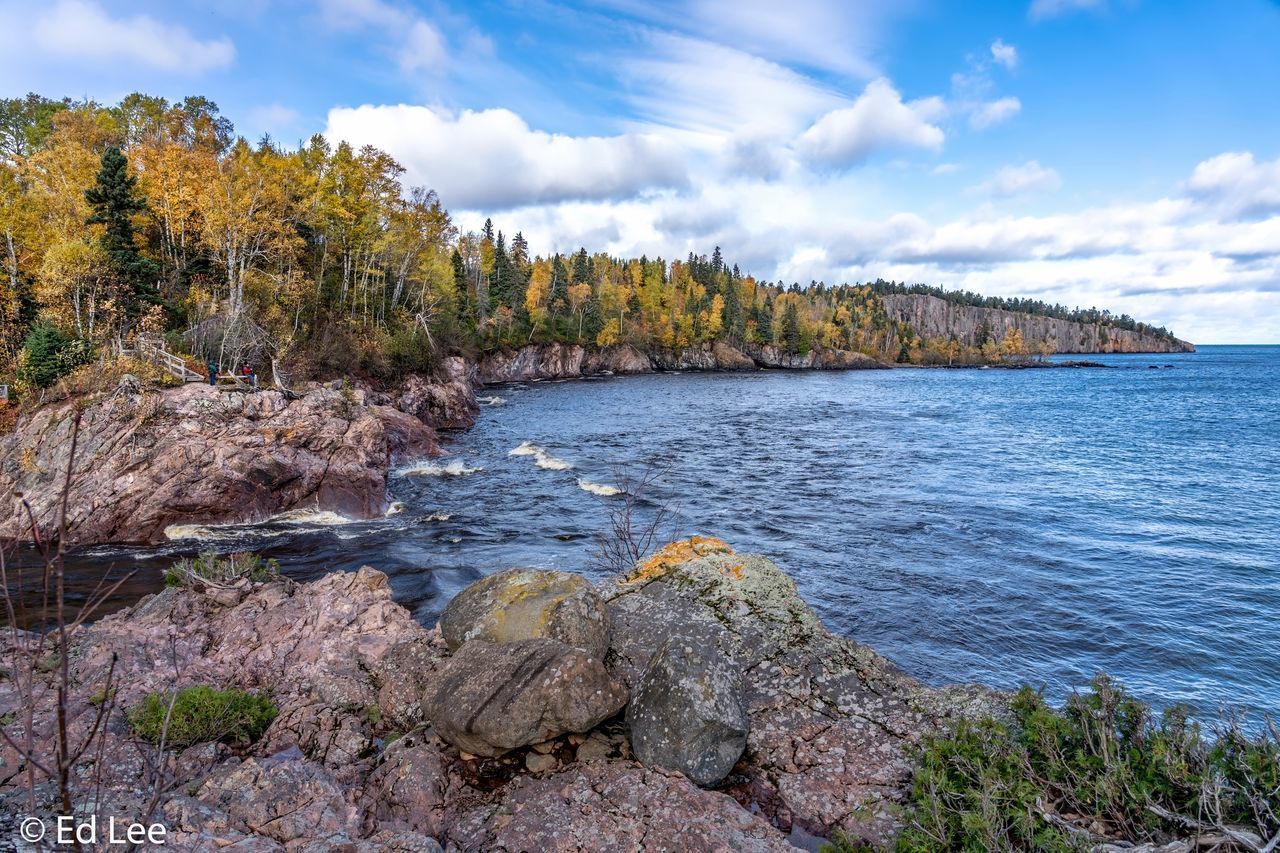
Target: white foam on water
439	516
189	531
311	516
491	401
598	489
396	508
456	468
544	459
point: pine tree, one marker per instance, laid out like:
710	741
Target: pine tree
581	267
115	201
791	328
462	296
765	323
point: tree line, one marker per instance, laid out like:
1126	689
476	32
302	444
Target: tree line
150	216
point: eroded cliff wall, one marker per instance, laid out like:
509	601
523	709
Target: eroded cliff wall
931	317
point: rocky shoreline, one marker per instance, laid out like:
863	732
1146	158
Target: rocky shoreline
585	708
148	461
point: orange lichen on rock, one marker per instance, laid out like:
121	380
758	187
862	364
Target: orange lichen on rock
736	571
674	554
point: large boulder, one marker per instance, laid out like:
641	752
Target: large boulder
524	604
686	713
832	724
491	698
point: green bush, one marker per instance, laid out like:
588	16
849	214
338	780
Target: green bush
48	355
202	714
210	567
1049	780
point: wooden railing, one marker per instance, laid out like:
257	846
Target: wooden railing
152	350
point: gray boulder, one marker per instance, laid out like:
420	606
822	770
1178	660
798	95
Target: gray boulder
491	698
526	604
687	712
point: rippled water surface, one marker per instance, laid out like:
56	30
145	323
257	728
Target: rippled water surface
972	525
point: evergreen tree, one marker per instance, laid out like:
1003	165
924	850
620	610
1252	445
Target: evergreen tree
765	321
791	328
463	297
115	201
581	267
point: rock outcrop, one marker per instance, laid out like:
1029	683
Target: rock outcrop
572	361
526	604
931	317
372	707
445	403
145	460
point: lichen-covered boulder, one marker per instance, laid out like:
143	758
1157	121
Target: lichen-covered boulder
686	713
491	698
526	604
832	724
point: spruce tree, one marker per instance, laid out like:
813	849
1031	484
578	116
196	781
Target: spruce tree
115	201
791	328
462	295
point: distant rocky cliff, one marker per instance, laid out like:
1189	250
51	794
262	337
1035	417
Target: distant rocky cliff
571	361
931	317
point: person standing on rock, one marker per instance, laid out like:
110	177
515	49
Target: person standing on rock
213	373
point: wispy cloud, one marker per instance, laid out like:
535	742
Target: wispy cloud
1029	177
1042	9
82	31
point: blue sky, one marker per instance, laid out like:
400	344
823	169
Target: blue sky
1123	153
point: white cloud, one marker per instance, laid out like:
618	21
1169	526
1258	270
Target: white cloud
878	119
1004	54
838	37
492	160
1042	9
1030	177
707	88
83	30
991	113
1173	261
1238	184
414	42
423	48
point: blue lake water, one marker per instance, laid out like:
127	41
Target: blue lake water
972	525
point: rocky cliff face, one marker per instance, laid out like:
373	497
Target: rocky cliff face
356	761
193	455
931	317
571	361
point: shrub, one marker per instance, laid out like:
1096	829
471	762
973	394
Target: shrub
202	714
48	355
1050	779
209	567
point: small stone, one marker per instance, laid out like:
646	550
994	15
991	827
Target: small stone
545	747
539	763
595	749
